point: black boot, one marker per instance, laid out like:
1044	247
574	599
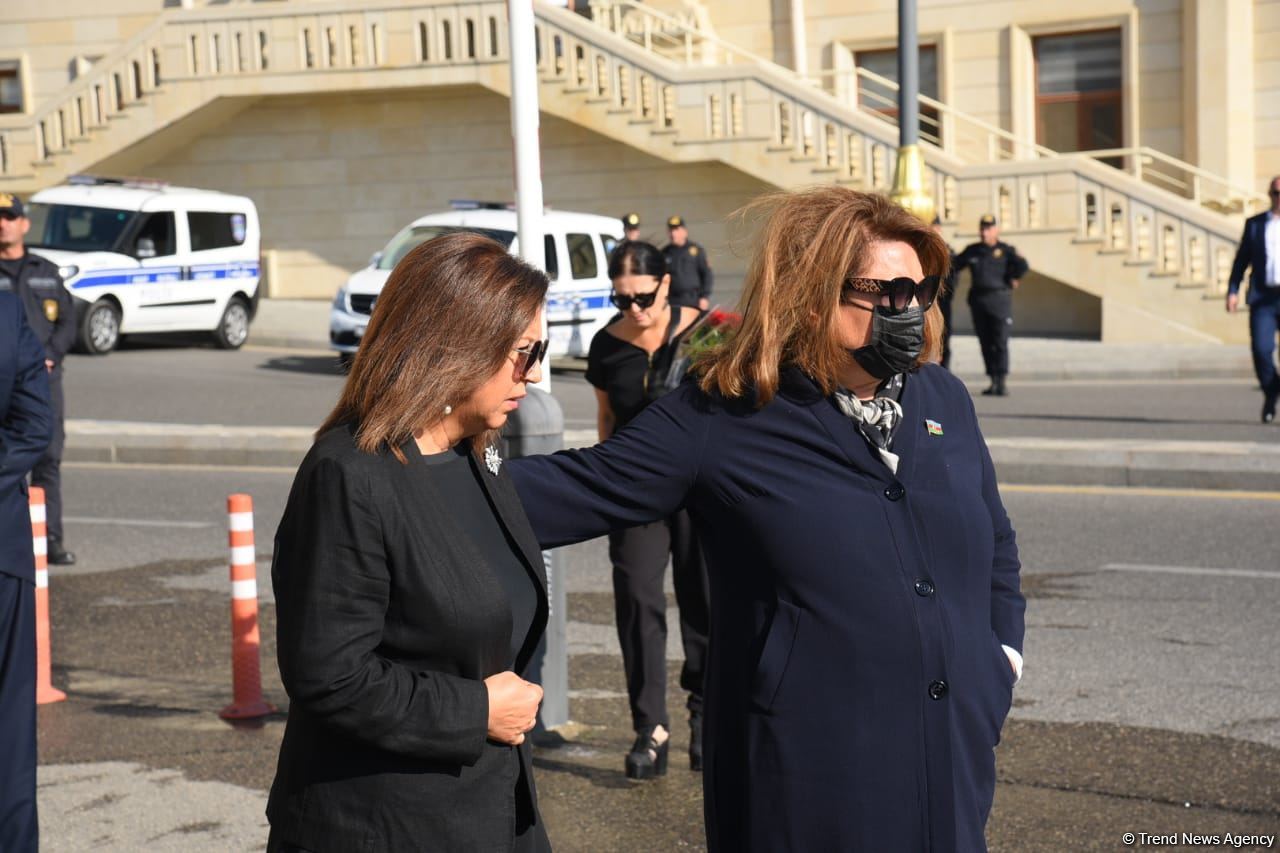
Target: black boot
991	389
695	742
998	385
648	756
59	556
1268	408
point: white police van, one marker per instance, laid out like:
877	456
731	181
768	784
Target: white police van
141	256
577	248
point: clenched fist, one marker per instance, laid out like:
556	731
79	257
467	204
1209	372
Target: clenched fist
513	707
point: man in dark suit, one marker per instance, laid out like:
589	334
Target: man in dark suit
1260	252
51	314
26	425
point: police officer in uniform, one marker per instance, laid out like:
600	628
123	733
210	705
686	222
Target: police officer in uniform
51	315
691	278
997	269
631	226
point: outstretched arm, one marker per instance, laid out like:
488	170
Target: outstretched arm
641	474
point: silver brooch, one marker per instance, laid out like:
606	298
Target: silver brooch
492	460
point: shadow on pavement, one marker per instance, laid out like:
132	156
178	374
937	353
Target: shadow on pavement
315	365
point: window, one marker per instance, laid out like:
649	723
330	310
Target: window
582	255
1078	85
882	99
552	260
609	242
157	229
406	240
215	230
10	88
75	228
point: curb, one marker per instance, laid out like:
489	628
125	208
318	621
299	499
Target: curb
1251	466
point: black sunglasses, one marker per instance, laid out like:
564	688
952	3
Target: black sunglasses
641	300
530	357
896	294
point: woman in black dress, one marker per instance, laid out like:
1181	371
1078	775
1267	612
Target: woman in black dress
629	364
410	592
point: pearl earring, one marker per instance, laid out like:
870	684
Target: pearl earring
448	410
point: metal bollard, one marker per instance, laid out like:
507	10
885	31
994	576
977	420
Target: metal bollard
538	427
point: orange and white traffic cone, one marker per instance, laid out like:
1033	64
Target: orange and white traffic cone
246	674
45	691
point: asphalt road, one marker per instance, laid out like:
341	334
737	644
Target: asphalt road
277	387
1149	701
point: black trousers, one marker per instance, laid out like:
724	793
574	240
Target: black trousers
992	322
19	829
639	556
47	473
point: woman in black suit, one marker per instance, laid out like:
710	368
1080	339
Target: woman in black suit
628	364
866	618
410	591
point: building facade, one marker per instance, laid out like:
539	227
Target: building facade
1119	141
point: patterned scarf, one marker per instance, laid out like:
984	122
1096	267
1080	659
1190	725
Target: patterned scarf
876	419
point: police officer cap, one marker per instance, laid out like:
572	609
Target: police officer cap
675	222
631	220
11	204
986	221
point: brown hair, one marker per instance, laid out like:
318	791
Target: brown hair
809	241
450	314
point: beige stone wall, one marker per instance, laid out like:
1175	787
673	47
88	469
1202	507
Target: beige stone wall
1266	24
979	49
334	177
50	34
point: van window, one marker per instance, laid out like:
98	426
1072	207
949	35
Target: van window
215	230
76	229
582	255
411	238
158	228
610	243
552	262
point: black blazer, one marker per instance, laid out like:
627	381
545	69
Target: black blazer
386	630
856	685
1251	255
26	422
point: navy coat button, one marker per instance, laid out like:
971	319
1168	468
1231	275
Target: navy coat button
924	588
895	492
937	689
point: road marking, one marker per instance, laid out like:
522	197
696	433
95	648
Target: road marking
138	522
1190	570
1141	491
160	466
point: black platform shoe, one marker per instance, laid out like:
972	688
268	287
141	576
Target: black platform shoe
695	742
648	757
59	556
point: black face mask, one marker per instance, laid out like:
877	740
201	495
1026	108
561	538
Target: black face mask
896	342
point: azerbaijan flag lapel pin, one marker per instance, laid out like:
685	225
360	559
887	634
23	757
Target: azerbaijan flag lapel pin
934	427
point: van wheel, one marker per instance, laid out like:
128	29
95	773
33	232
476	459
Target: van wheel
233	328
100	328
345	360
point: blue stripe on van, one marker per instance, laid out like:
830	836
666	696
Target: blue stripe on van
152	275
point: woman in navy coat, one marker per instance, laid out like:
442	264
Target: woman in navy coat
866	618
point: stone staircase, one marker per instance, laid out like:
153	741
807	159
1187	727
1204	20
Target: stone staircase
1158	262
